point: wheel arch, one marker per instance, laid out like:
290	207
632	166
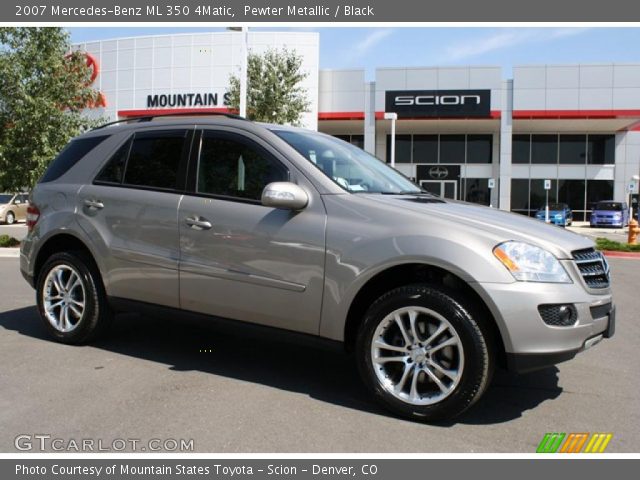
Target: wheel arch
410	273
60	242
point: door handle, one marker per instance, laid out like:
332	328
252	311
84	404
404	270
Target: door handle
94	204
198	223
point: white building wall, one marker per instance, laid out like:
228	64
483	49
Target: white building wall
627	163
132	68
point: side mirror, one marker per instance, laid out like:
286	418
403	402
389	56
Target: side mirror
285	195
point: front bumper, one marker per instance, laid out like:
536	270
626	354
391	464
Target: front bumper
561	222
607	223
529	342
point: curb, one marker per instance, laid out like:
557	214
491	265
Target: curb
611	253
9	252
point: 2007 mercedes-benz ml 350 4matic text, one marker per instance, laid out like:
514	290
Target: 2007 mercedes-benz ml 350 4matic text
300	231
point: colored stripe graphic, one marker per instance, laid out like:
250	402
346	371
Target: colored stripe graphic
550	442
574	443
598	443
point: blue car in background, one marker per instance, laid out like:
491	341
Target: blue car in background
608	213
559	214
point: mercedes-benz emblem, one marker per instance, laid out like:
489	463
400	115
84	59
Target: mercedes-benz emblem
439	172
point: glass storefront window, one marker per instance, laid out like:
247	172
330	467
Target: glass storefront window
425	149
358	141
544	149
598	190
403	148
573	149
520	195
520	148
538	194
452	148
572	192
601	149
477	191
479	148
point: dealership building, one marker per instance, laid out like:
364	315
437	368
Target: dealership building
467	133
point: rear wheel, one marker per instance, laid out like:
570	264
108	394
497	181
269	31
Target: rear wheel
422	354
10	218
71	298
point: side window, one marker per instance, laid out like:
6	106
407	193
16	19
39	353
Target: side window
154	159
113	172
233	167
70	155
148	159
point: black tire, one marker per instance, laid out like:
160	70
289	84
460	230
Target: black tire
96	315
475	338
10	218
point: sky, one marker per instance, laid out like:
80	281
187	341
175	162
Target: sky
371	48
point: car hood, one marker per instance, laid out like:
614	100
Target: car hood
606	212
496	224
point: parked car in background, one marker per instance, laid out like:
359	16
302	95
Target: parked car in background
559	214
13	207
608	213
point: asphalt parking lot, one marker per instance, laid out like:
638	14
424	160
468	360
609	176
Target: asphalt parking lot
152	378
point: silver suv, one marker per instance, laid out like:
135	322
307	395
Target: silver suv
298	230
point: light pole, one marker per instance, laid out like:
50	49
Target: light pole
393	117
244	54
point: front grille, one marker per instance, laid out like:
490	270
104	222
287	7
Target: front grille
558	315
593	267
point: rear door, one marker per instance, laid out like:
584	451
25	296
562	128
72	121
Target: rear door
240	259
132	208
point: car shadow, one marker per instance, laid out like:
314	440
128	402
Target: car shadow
263	356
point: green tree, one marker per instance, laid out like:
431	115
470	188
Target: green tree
43	90
274	94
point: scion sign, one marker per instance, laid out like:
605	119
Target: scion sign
439	103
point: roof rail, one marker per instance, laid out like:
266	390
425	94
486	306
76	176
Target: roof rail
148	118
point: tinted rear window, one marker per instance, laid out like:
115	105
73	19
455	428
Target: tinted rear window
615	206
154	159
70	155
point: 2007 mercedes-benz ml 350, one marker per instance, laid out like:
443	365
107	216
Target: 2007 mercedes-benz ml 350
298	230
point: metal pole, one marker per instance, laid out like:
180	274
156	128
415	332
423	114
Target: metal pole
546	208
393	117
393	143
243	71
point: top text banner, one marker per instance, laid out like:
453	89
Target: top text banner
318	11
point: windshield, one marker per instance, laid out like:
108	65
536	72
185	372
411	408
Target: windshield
348	166
5	198
615	206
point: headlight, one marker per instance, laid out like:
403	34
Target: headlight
529	263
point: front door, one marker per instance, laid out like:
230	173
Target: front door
238	258
442	188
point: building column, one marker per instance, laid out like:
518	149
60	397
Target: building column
370	117
506	130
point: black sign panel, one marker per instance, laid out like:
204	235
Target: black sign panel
438	103
438	172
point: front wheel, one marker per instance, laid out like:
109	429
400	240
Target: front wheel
423	354
71	298
10	218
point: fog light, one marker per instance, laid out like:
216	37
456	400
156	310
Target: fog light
563	315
